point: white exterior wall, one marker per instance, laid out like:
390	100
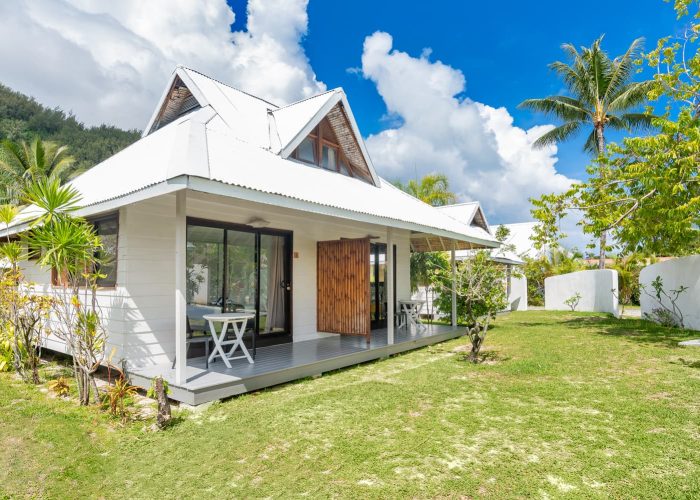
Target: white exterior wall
140	311
596	289
684	271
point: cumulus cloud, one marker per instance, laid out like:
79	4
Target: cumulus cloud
108	62
485	156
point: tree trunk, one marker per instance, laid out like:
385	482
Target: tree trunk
164	416
600	141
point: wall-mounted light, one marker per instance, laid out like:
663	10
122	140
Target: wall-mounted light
257	222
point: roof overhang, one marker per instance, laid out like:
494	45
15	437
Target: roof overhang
24	220
423	238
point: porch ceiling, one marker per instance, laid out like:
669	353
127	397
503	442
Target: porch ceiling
424	242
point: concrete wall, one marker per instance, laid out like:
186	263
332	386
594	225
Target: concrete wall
139	312
517	297
596	289
684	271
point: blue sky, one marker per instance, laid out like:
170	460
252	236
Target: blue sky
503	48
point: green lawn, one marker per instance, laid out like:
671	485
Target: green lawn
569	405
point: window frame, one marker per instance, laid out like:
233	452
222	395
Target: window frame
320	141
106	282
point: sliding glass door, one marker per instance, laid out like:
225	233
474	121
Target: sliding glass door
377	280
240	269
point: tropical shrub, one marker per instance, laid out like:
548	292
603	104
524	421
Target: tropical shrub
119	397
573	301
59	387
667	315
70	248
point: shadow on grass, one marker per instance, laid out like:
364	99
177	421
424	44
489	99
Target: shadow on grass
687	363
637	330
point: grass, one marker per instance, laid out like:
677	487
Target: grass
567	405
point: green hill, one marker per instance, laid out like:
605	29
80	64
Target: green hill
22	118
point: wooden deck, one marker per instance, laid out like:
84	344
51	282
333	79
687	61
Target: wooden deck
286	362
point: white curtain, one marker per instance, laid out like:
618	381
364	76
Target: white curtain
275	291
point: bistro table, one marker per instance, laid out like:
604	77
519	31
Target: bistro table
410	309
238	321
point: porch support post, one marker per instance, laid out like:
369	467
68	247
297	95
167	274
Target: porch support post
389	283
453	263
180	285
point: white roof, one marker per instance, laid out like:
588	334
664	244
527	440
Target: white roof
227	142
463	212
521	238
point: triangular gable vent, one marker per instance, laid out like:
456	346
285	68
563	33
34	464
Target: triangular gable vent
479	220
334	132
179	101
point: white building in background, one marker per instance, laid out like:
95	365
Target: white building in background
518	245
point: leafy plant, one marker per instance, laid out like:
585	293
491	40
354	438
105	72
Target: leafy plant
480	286
117	398
6	353
433	189
59	387
667	315
573	301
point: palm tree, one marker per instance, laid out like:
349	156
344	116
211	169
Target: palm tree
22	163
600	96
433	189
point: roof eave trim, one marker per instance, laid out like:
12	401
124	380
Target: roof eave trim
232	191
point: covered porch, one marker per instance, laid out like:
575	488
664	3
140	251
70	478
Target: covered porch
287	362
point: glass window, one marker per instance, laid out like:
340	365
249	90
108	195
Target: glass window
108	231
307	150
204	275
329	158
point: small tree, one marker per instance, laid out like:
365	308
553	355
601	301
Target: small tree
70	248
666	315
480	286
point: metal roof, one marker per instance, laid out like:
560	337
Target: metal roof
226	140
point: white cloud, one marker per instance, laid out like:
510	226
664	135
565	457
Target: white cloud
484	155
109	61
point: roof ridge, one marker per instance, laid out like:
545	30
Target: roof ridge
308	98
460	204
229	86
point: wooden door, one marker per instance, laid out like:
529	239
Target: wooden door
343	304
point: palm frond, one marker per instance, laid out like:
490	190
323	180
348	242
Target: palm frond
558	134
565	108
637	121
591	144
622	70
630	95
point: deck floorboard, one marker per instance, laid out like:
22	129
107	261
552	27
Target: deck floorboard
285	361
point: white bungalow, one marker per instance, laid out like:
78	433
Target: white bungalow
231	204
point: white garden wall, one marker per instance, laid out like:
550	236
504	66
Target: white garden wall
517	296
596	289
684	271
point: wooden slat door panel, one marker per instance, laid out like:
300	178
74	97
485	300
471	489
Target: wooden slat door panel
343	304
